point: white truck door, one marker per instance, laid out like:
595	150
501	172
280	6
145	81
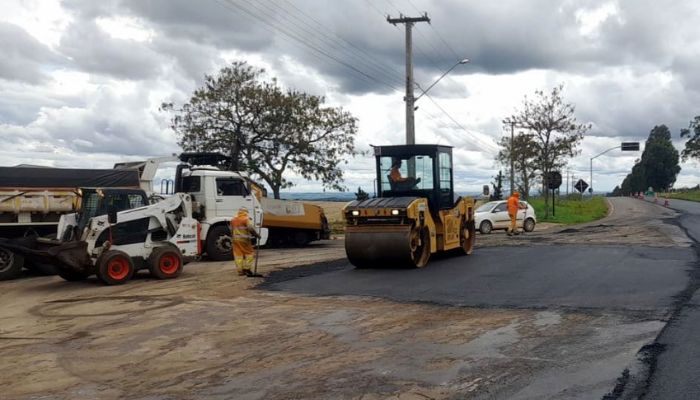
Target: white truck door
231	195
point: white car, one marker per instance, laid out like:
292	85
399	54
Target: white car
494	215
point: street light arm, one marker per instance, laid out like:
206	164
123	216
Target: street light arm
610	149
593	158
441	76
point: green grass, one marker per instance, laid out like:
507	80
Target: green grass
571	211
691	195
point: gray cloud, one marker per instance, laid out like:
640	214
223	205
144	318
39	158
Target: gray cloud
23	58
94	51
636	70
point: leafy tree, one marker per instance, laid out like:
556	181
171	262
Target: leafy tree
267	131
524	153
220	113
660	159
692	146
658	166
556	132
361	194
497	187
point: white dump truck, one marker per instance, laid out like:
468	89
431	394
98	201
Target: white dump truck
218	194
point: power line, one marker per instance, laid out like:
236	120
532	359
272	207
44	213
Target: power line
437	34
300	40
489	147
387	69
316	46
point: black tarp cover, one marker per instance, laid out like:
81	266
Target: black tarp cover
27	177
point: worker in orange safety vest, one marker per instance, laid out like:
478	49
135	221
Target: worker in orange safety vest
513	206
243	232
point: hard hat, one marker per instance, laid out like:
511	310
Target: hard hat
242	210
516	194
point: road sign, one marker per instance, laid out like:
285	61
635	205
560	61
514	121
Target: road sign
630	146
581	185
554	180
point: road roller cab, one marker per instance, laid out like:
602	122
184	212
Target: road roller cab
415	212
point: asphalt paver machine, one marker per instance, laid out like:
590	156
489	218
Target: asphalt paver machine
412	217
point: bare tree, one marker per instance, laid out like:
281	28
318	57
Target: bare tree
555	131
524	152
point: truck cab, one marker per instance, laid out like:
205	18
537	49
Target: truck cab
217	196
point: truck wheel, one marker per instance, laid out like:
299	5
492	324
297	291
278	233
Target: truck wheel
114	267
10	264
301	239
165	262
219	243
71	275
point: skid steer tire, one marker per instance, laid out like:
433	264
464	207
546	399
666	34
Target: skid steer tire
115	267
219	243
165	262
10	264
72	276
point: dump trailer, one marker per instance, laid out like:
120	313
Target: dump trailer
414	214
112	239
292	222
33	199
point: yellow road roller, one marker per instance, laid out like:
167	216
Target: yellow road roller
414	212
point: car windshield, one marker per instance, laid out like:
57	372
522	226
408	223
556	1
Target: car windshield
486	207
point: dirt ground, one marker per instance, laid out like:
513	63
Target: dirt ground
212	334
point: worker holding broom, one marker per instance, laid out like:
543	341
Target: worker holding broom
514	206
243	232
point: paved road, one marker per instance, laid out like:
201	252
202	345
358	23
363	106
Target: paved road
677	365
639	282
568	276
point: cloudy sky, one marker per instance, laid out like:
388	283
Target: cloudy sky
81	81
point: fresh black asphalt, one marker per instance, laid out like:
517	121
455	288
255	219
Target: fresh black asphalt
630	278
676	368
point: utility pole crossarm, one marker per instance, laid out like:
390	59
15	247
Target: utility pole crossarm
403	20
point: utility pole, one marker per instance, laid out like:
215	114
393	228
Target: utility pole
409	99
512	157
511	122
567	183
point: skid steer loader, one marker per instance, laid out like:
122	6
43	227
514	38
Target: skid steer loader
412	216
116	233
